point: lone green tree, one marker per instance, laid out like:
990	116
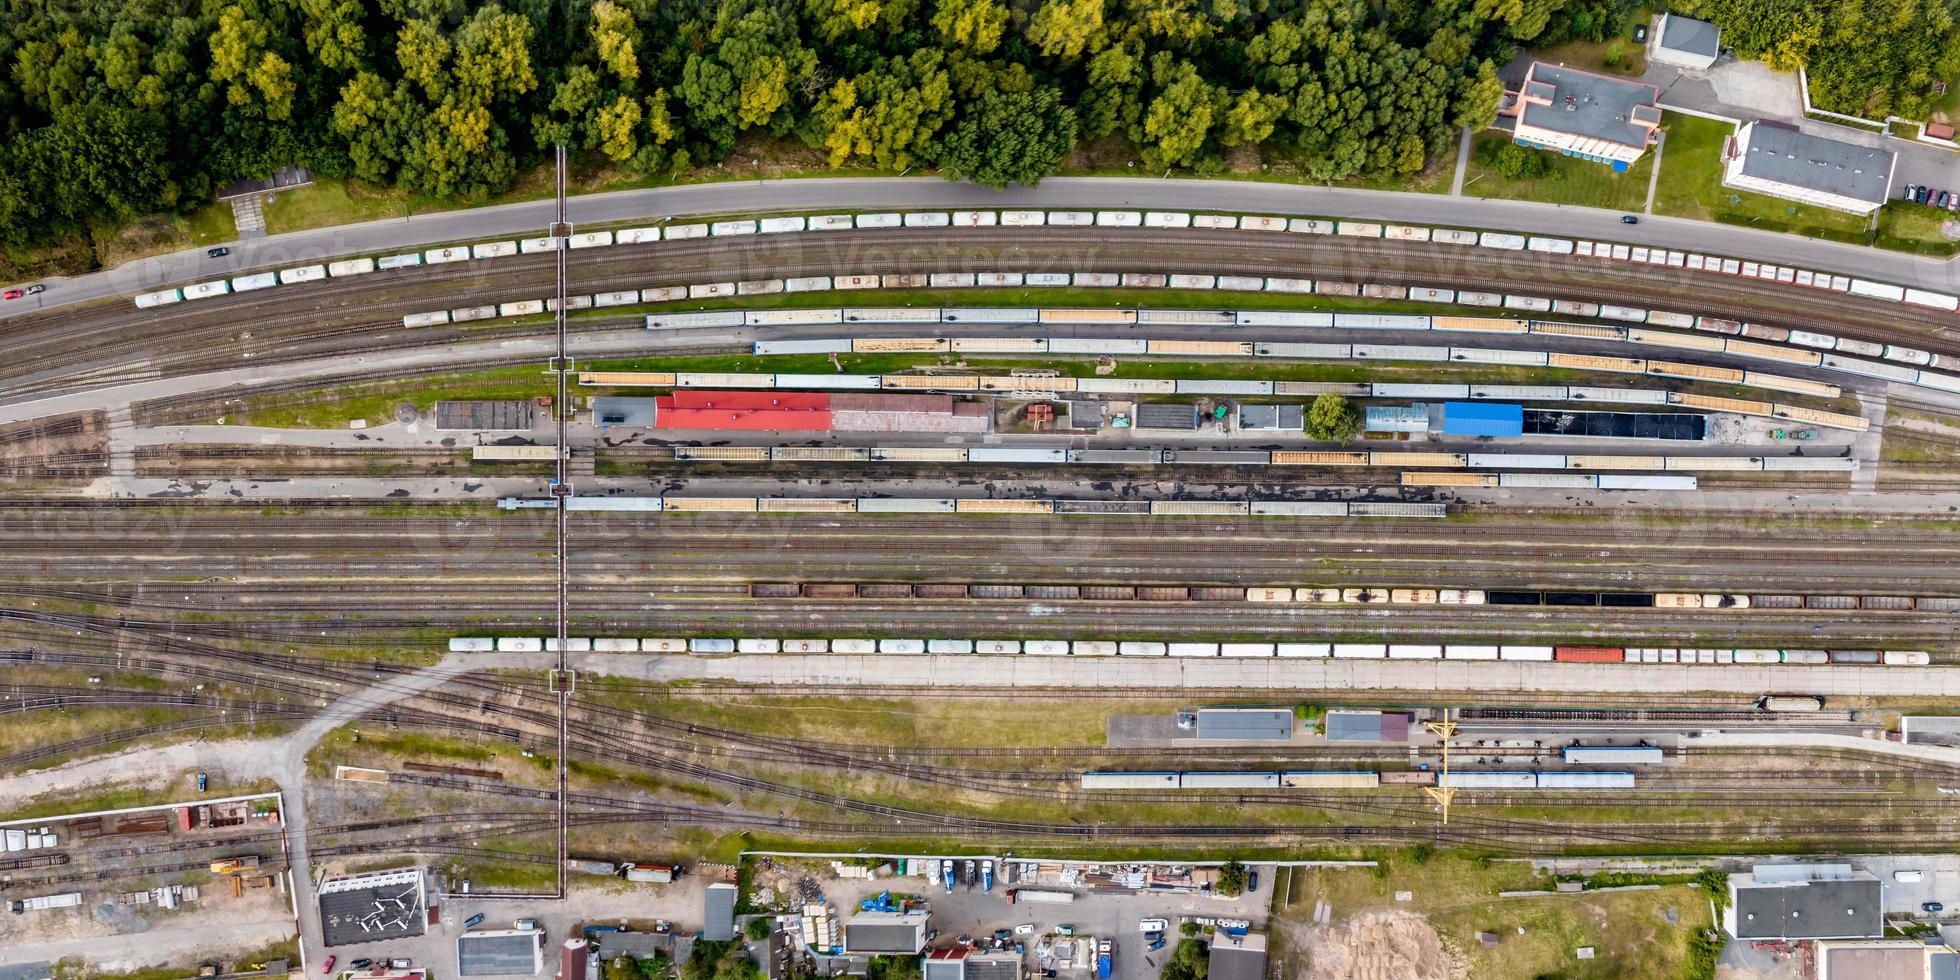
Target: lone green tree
1333	418
1191	961
1232	877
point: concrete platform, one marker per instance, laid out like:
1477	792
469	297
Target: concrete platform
1275	674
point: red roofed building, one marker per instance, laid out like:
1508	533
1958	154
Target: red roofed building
770	411
807	411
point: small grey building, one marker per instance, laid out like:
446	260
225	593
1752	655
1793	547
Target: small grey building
1281	417
1160	415
1237	957
633	412
500	953
885	933
1245	724
1350	725
1687	43
718	913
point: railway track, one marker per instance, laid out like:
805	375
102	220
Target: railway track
326	317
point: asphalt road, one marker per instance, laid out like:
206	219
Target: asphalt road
1071	192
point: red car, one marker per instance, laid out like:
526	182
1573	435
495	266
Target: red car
15	293
327	967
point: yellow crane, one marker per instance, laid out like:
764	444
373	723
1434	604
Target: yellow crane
1442	793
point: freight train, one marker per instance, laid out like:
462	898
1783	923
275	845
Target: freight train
1154	648
1367	595
1461	779
1693	261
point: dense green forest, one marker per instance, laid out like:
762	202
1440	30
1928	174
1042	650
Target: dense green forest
115	108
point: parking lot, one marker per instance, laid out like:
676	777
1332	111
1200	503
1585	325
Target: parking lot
976	913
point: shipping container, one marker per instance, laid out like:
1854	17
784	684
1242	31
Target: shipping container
1303	650
1128	780
1592	655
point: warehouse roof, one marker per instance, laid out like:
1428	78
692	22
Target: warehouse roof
1805	902
1690	36
1483	419
1786	156
499	953
718	907
1246	724
885	932
1567	100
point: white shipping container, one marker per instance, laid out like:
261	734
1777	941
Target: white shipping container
1120	219
949	646
974	219
1166	219
1071	218
1141	648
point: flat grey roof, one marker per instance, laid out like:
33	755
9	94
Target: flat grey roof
1691	36
1815	910
718	906
993	966
882	937
1944	966
1271	416
497	955
1242	725
1354	726
374	914
1245	961
1787	156
1162	415
1600	107
623	411
944	969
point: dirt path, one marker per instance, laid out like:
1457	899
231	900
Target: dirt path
1385	945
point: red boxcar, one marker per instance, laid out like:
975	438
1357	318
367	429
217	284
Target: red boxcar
1589	655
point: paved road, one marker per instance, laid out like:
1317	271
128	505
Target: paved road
1107	673
292	771
1059	192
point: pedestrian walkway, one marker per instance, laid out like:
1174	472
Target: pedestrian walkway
249	214
1462	161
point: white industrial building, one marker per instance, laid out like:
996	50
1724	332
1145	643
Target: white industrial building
1781	161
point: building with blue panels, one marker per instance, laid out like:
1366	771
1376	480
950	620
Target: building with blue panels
1483	419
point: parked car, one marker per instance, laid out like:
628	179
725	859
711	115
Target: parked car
1153	925
1627	219
1640	34
217	253
473	921
401	963
1912	190
1920	198
327	967
1156	943
1932	907
1940	201
361	964
1025	928
202	782
1908	875
1251	882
